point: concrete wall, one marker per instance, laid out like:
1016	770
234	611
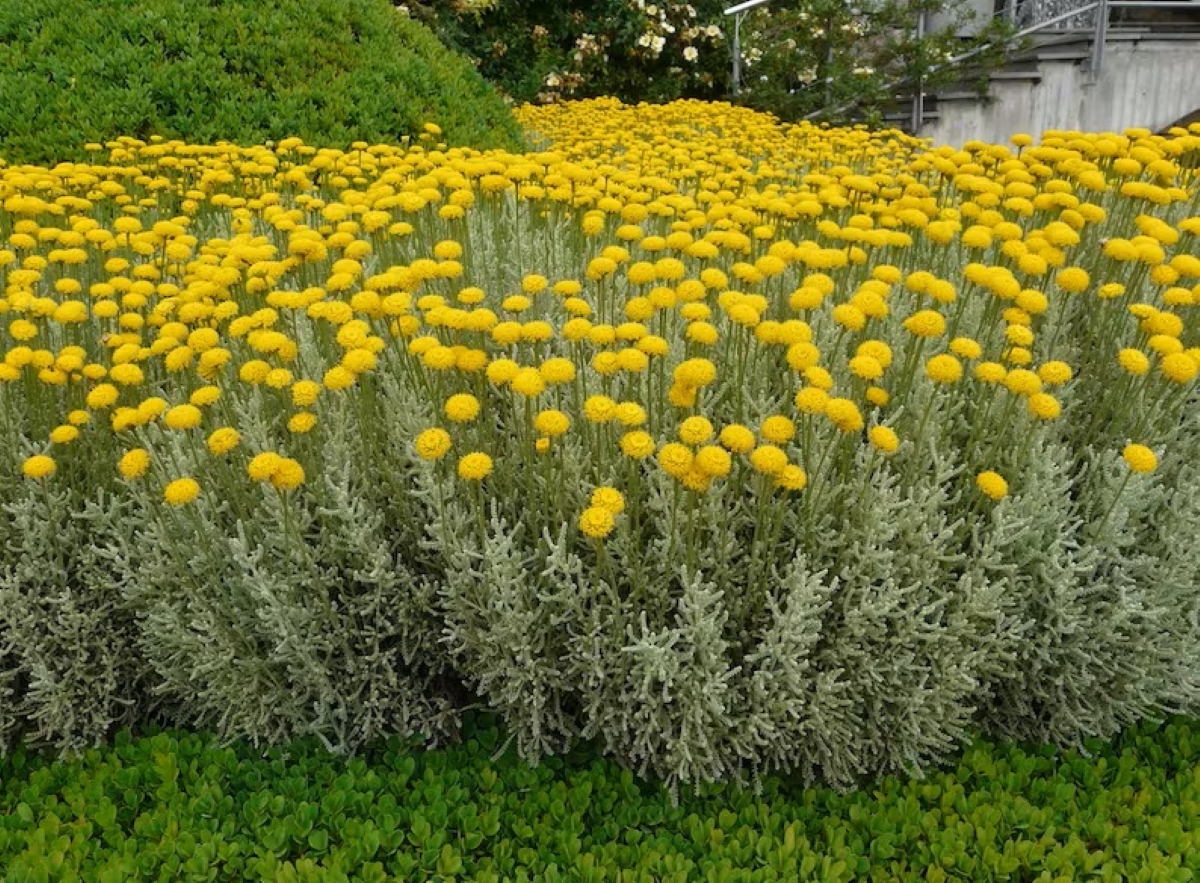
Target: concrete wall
1147	83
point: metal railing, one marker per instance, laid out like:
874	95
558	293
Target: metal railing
1038	16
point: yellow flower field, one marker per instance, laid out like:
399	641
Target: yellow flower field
672	340
650	270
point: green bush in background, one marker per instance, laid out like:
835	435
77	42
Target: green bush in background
329	71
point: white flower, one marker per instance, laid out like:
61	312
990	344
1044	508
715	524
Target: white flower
690	53
644	40
713	32
651	10
657	44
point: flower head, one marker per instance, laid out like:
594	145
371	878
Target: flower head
637	444
609	498
39	466
992	484
597	522
433	444
223	440
884	439
134	464
1140	458
475	466
181	491
462	407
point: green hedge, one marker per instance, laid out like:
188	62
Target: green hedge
329	71
177	806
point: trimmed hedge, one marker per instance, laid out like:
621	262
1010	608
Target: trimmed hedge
329	71
177	806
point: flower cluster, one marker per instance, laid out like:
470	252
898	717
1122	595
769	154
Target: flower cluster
690	293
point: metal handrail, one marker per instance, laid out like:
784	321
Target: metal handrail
1099	39
978	50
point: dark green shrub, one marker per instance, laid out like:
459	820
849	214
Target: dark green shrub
329	71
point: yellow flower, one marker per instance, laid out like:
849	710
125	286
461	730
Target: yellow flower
966	348
557	370
205	396
844	414
1134	361
1073	279
501	371
134	463
849	317
713	461
534	284
433	444
818	377
695	431
866	367
305	393
944	369
630	414
288	475
65	434
778	429
222	441
768	459
926	323
1140	458
528	382
1022	382
792	478
637	444
1178	367
263	466
462	407
103	396
301	422
151	408
812	400
181	491
183	417
737	438
1055	373
695	373
338	378
675	459
127	374
599	408
39	466
992	484
551	423
597	522
475	466
608	498
883	438
1043	406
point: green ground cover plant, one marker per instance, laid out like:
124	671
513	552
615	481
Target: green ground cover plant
179	806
